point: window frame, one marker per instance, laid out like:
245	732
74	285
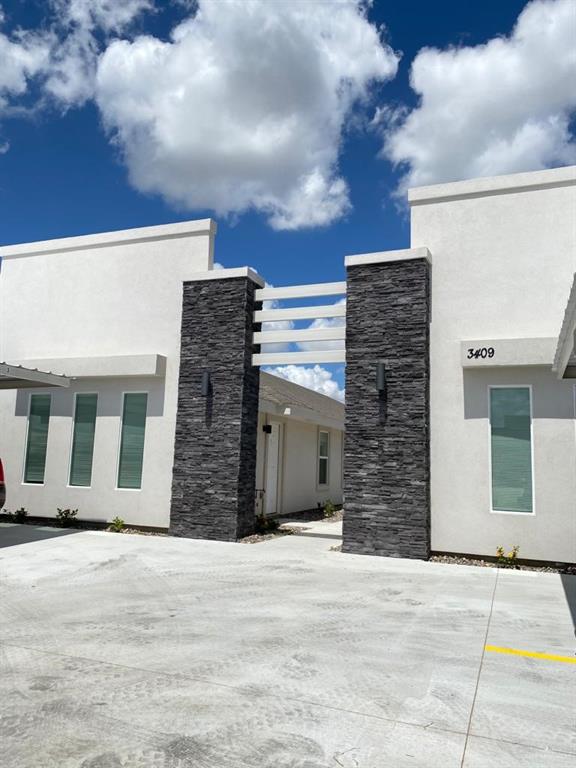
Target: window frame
119	444
319	457
71	446
493	511
24	481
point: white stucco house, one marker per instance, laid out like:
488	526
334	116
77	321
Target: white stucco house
105	311
300	448
502	416
461	371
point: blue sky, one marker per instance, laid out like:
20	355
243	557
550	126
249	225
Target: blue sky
76	159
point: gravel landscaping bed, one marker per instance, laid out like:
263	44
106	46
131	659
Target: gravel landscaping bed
256	538
457	560
138	532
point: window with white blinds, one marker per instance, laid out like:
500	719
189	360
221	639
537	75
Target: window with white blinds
83	439
511	449
323	457
37	440
132	440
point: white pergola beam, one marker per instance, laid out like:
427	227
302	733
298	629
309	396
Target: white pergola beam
297	358
299	313
301	291
300	334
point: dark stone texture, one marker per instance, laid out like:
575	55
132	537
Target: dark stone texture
213	483
387	453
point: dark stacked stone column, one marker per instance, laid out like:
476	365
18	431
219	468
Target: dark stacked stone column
214	472
387	452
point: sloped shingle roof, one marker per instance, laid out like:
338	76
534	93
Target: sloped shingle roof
285	393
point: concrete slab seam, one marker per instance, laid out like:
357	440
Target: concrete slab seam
479	670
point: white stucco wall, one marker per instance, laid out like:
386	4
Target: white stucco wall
298	487
503	254
97	296
101	501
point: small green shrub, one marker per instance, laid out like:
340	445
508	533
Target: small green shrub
329	509
19	516
266	524
507	560
66	517
117	525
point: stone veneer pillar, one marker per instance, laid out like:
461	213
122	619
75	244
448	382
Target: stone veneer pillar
387	451
214	473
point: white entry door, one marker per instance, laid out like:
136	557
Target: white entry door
273	446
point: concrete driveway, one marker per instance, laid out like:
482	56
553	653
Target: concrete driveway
122	651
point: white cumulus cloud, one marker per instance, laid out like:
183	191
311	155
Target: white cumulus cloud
317	378
62	57
501	107
79	29
22	55
107	15
245	106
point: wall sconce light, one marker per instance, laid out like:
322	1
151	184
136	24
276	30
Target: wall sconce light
205	388
267	428
381	378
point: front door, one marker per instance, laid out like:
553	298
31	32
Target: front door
271	480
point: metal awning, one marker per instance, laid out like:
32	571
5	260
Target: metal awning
565	358
18	377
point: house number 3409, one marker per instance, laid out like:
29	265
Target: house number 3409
482	352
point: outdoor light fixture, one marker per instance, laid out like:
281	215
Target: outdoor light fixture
205	389
381	378
267	428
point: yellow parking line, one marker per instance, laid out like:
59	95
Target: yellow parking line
530	654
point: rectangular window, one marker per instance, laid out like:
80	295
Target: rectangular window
323	456
37	441
83	440
511	447
132	440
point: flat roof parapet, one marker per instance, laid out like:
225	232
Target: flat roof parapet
493	185
121	237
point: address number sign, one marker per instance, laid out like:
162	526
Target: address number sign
480	352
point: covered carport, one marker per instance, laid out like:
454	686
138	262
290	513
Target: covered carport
19	377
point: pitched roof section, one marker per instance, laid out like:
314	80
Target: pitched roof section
284	393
